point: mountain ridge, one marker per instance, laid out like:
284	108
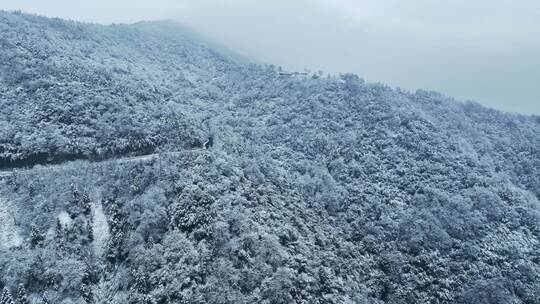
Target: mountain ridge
315	190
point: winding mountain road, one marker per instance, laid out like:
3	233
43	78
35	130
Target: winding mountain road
139	158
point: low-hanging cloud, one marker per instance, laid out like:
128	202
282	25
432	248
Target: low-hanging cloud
481	50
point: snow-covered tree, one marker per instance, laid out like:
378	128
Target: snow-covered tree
5	297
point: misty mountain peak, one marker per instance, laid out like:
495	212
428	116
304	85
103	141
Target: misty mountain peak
143	164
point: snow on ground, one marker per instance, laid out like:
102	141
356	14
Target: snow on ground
100	228
64	219
9	233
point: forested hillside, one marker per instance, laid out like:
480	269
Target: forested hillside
281	189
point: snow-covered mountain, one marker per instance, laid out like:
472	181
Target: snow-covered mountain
252	185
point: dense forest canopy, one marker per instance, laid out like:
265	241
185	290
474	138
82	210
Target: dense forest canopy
260	187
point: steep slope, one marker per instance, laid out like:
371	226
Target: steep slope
75	91
316	189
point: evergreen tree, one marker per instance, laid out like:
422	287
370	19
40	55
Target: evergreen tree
58	231
22	296
86	287
44	299
59	236
150	243
6	297
86	293
75	205
90	231
86	206
36	237
114	246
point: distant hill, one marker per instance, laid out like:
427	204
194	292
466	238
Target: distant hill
261	187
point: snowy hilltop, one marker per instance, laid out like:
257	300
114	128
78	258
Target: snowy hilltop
143	164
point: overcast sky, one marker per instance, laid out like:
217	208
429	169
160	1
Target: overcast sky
482	50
